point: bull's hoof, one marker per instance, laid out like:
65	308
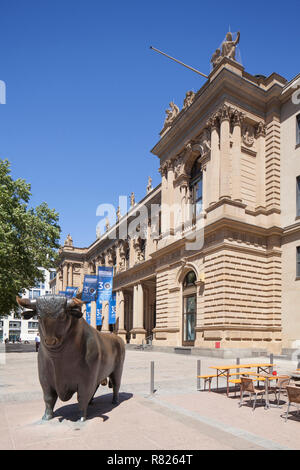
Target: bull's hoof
47	416
115	401
82	419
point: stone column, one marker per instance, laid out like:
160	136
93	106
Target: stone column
93	314
260	165
138	332
164	198
225	167
132	258
120	314
214	191
65	276
171	196
105	315
236	155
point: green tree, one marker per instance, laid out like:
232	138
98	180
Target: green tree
29	238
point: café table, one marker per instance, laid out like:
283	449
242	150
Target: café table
224	371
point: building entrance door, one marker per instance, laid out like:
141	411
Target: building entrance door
189	320
14	336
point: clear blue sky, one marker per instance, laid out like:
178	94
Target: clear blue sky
86	97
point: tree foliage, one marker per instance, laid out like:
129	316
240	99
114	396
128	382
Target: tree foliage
29	238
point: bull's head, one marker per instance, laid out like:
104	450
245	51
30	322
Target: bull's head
56	315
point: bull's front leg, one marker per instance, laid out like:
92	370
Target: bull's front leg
50	397
84	396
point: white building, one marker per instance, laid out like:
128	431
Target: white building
14	327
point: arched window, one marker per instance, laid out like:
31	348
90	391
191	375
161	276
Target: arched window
189	308
196	188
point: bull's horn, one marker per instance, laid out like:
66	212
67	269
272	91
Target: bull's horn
27	303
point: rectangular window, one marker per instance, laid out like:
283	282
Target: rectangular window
298	197
34	294
14	324
298	262
298	129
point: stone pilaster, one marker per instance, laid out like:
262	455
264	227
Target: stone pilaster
225	167
120	314
260	165
138	332
238	118
93	314
214	191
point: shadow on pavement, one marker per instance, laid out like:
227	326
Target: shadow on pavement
100	405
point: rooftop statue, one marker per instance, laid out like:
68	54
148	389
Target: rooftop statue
118	214
189	98
132	200
171	114
228	48
68	241
216	58
149	186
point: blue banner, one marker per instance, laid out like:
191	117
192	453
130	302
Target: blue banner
88	312
89	291
71	292
98	312
112	310
105	283
62	292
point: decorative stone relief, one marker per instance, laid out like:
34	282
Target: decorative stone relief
248	135
260	129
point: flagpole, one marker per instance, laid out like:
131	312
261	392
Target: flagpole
179	62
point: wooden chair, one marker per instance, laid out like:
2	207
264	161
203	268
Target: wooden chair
247	386
280	387
293	397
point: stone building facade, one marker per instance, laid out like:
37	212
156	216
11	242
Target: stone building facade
219	264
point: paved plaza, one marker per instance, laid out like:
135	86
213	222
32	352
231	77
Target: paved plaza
176	416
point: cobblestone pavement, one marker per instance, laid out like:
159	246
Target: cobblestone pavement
176	416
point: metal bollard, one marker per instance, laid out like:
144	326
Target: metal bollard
271	362
198	373
238	370
152	378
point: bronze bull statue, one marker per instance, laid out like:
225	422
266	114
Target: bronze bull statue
73	356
